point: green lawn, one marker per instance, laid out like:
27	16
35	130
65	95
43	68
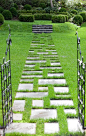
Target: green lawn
65	42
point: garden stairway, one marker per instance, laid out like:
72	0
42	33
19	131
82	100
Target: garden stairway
43	104
42	28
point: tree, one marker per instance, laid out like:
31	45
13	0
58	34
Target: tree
6	4
51	2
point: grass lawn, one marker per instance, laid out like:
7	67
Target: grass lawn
65	41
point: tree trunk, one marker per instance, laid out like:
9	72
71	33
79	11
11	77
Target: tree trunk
51	3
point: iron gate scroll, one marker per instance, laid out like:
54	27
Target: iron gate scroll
6	87
80	84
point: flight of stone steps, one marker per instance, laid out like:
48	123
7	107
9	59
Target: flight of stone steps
42	28
43	93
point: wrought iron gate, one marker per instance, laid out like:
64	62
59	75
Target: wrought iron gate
80	84
6	87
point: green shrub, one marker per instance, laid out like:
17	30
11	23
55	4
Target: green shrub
26	18
66	18
74	11
47	9
78	19
83	14
43	5
27	7
58	19
1	19
13	11
63	13
62	10
1	9
15	6
42	16
7	14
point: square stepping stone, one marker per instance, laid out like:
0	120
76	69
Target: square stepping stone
51	55
50	128
51	45
31	51
70	111
61	102
66	96
38	103
51	81
54	64
74	125
61	89
18	105
25	87
31	76
17	116
25	128
43	113
31	94
55	74
42	88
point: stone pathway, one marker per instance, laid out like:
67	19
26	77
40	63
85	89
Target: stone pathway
43	84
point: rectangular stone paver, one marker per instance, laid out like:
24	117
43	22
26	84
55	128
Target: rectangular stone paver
42	52
32	72
26	80
54	64
55	74
25	128
42	88
50	67
29	65
70	111
61	102
38	103
61	89
31	76
25	87
50	128
35	61
43	113
74	125
51	81
32	94
17	116
32	57
18	105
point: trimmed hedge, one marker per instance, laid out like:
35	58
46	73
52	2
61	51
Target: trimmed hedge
26	18
58	19
42	16
74	11
62	10
1	19
7	14
78	20
83	14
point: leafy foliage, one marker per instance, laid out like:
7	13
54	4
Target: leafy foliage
58	19
7	14
13	11
1	19
6	4
83	14
27	7
26	18
1	9
78	19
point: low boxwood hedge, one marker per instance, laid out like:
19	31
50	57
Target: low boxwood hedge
42	16
26	18
78	19
59	19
